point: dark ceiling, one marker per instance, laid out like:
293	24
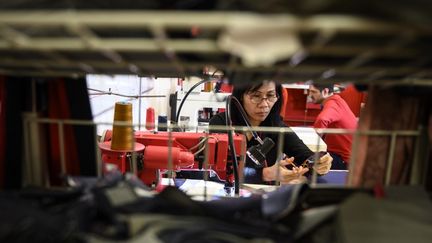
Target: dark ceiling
360	41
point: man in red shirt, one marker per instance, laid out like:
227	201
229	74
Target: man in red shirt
335	113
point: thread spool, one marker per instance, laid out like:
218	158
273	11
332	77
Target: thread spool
122	136
150	119
208	87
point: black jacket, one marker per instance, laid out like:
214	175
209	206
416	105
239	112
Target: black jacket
293	147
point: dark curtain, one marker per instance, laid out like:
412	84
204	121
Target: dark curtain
14	102
56	99
391	109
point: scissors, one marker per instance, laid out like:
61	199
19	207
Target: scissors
310	161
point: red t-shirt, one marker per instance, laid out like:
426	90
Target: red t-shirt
337	114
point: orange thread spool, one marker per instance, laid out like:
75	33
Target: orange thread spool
122	136
208	87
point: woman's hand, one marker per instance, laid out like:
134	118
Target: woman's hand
324	164
285	175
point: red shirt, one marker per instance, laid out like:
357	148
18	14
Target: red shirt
337	114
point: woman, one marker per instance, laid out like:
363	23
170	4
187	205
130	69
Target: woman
262	104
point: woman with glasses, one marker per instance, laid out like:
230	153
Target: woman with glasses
262	104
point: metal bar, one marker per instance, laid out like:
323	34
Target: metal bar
242	158
369	132
344	50
34	152
28	164
58	58
12	36
170	158
87	36
353	158
279	155
161	39
322	38
117	44
240	128
62	149
361	59
139	104
187	45
304	69
91	41
401	40
314	173
418	170
390	159
357	133
206	19
371	75
34	100
206	164
316	158
98	154
134	154
27	152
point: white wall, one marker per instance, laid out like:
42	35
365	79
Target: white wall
197	101
102	105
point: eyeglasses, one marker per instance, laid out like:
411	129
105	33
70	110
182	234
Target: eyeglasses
257	99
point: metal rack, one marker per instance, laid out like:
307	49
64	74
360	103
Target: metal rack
181	43
364	43
36	175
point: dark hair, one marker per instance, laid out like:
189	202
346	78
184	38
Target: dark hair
273	118
321	87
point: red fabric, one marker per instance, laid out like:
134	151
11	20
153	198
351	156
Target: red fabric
284	102
226	88
379	191
371	161
2	129
353	98
337	114
58	108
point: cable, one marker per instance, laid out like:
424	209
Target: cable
101	92
208	79
202	142
264	146
244	116
231	144
198	144
187	94
199	150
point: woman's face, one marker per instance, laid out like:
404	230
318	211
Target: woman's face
258	104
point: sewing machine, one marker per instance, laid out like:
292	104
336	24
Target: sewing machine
155	150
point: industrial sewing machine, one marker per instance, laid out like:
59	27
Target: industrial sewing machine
187	151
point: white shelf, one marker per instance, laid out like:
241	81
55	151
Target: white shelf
203	96
295	86
197	101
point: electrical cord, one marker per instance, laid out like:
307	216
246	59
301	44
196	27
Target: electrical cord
244	116
202	142
264	146
231	144
187	94
216	91
208	79
228	120
101	92
198	144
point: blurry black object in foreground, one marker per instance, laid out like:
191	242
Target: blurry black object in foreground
111	209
